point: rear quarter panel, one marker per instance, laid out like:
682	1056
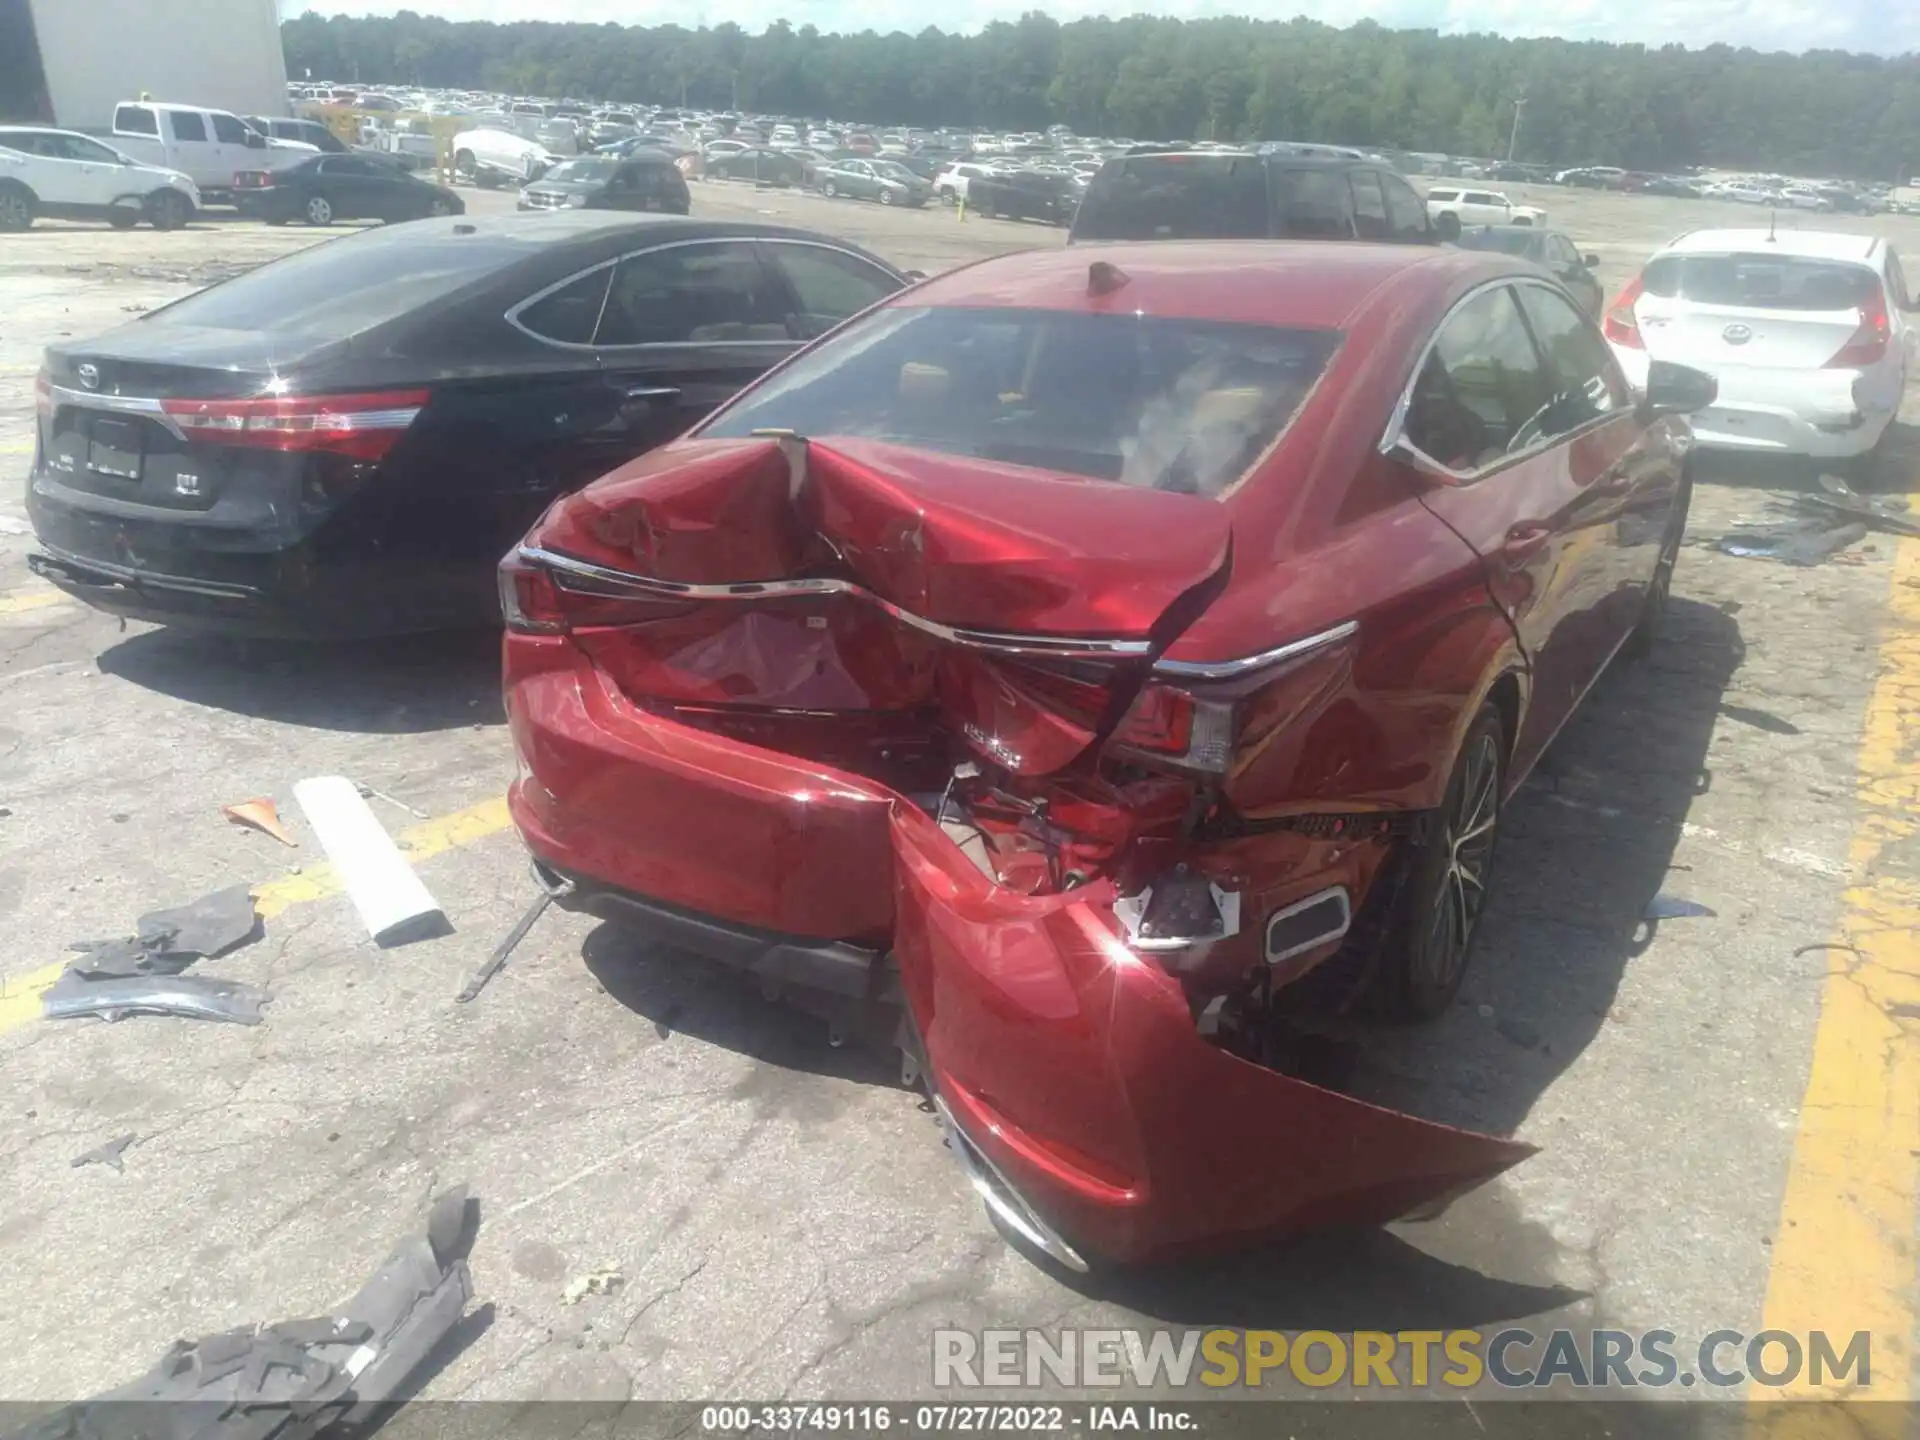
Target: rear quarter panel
1327	530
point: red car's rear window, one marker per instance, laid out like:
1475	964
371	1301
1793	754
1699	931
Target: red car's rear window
1154	401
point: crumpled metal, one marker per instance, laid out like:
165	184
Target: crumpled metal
197	997
296	1378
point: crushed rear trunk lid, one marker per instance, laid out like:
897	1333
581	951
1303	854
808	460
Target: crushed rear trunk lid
844	577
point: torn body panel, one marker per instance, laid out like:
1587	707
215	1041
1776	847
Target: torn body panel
1072	1062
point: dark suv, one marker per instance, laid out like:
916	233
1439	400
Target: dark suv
646	180
1167	194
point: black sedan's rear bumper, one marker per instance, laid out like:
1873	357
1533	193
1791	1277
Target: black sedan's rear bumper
302	591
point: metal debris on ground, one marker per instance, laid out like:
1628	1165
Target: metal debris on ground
297	1378
1804	542
1672	907
393	904
110	1153
168	941
259	814
367	792
603	1281
505	948
193	997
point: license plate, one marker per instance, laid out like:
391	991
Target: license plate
113	448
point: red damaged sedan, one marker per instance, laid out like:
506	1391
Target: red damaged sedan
1096	660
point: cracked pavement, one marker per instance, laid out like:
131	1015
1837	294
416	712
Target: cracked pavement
784	1217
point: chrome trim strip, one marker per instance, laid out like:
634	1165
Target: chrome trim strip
1247	664
1068	647
123	404
1001	1198
1338	895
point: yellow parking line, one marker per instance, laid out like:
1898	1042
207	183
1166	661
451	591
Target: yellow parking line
1843	1253
20	995
422	842
19	602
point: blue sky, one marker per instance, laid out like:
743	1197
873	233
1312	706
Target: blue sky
1885	27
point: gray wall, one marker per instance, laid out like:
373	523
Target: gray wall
224	54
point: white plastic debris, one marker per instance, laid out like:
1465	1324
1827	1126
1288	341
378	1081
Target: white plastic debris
603	1281
393	904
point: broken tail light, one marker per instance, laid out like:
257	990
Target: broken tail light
1868	343
43	396
1167	723
1620	325
536	599
364	427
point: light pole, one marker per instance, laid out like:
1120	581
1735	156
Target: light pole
1513	136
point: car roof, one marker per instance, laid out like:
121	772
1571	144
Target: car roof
1806	244
1312	284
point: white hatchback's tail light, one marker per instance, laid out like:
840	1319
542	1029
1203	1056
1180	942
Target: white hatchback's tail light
1868	343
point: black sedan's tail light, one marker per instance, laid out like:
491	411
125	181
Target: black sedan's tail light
364	427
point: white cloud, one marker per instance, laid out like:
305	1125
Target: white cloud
1864	25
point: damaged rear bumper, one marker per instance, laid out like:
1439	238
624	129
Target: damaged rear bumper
1087	1109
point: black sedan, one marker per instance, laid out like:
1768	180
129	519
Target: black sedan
761	167
642	180
340	187
1026	195
1548	249
345	441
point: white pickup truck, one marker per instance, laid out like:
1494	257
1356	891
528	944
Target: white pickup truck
207	146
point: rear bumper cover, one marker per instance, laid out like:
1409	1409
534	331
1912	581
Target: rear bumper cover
241	582
1070	1065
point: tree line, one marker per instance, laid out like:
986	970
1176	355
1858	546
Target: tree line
1645	108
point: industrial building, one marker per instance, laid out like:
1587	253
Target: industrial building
68	62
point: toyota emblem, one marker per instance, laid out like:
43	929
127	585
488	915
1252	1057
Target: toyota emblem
1737	334
89	376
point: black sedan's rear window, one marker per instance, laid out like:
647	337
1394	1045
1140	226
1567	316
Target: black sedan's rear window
345	286
1154	401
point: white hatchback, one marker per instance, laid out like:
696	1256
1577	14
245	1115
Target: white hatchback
1806	332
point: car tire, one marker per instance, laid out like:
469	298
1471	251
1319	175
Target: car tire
1653	606
121	218
886	197
168	210
319	210
440	208
17	207
463	163
1439	882
828	190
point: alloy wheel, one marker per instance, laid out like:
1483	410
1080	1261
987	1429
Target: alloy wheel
15	212
1467	839
319	212
440	208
